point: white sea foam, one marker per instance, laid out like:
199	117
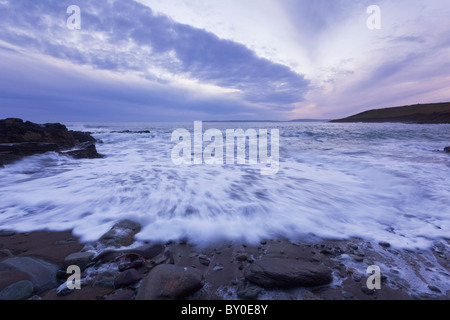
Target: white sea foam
377	181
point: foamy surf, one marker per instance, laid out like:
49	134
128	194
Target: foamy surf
380	182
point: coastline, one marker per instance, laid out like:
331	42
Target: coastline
224	268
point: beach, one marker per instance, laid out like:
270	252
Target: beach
230	271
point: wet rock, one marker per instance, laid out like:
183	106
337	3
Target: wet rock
6	233
287	273
80	259
170	282
384	244
134	264
127	278
17	291
6	253
250	293
121	295
41	273
242	257
105	280
63	290
434	288
86	150
149	251
204	260
19	139
121	234
447	149
367	291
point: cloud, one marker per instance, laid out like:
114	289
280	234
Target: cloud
127	37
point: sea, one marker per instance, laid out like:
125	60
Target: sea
380	182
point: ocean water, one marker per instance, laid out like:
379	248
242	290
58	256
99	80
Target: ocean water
380	182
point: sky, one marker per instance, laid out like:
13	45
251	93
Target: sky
186	60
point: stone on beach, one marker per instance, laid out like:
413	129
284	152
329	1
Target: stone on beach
287	273
80	259
127	278
20	290
121	234
170	282
41	273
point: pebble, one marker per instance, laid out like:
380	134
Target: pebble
434	288
384	244
367	291
351	270
347	295
218	268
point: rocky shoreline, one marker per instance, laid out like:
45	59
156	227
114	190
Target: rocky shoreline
116	267
19	139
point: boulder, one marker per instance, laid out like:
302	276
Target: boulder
121	234
80	259
17	291
127	278
287	273
170	282
447	149
41	273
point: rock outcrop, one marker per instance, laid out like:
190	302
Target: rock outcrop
19	139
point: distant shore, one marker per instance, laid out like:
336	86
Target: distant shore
234	271
431	113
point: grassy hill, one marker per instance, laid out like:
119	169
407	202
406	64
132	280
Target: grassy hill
419	113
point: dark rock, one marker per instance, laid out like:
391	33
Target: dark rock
170	282
134	264
19	139
434	288
63	290
128	131
127	278
6	253
242	257
121	234
105	280
86	150
17	291
447	149
121	295
80	259
384	244
204	260
249	293
148	251
82	137
41	273
6	233
367	291
287	273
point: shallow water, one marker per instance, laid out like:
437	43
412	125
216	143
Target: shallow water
374	181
